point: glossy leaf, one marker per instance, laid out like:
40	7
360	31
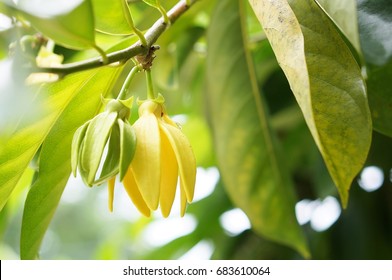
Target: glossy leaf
375	28
110	18
326	82
246	149
380	97
69	23
54	165
344	14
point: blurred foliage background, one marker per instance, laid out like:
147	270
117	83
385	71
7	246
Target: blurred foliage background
213	227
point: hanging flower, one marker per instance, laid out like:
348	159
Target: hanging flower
163	154
109	128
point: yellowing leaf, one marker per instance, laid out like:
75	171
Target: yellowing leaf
326	82
247	151
344	14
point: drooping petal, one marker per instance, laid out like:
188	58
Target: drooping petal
185	158
183	201
168	120
110	166
134	193
111	184
128	146
146	163
77	141
96	137
169	176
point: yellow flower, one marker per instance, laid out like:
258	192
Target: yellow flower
163	154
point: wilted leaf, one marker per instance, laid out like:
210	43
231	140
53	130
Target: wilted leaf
55	162
246	149
326	82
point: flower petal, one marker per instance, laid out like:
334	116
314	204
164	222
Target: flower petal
110	165
146	163
97	135
183	201
185	158
169	176
127	144
134	193
77	141
111	184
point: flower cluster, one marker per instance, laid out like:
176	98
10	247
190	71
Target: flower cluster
151	156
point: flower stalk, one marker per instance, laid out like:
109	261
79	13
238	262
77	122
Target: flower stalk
127	82
150	85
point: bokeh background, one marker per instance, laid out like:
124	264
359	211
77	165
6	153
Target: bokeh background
213	228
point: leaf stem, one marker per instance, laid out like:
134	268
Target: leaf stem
123	92
163	13
123	55
150	85
104	57
128	17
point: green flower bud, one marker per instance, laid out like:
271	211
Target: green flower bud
109	128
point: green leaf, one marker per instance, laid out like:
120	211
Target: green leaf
128	146
69	23
110	18
17	150
246	149
97	135
344	14
375	28
380	97
326	82
55	162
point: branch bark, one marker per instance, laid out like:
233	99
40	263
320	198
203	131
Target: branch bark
151	36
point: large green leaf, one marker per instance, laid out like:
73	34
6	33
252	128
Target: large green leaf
326	82
68	22
246	149
380	97
344	14
55	155
110	17
18	149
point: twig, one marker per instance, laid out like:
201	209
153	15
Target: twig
151	36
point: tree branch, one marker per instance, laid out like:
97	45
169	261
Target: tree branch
151	36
